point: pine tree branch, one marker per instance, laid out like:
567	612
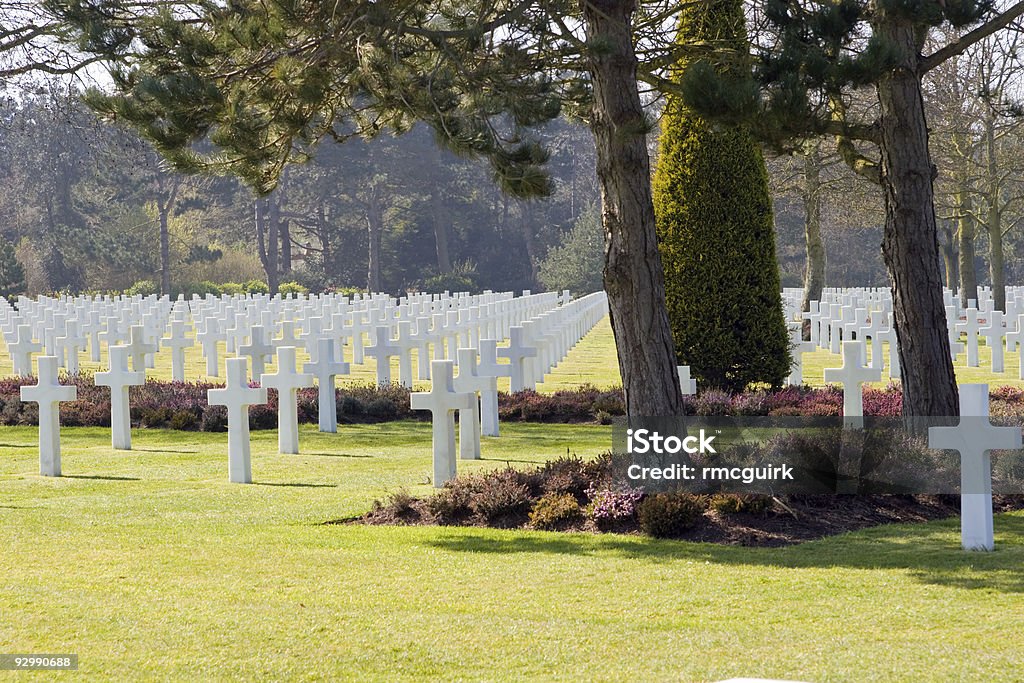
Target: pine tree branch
957	47
858	163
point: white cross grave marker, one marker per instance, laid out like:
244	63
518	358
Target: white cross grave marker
49	393
687	385
974	437
852	375
442	401
178	341
21	351
287	382
469	381
119	378
993	333
138	348
383	350
237	396
257	350
489	367
325	369
209	338
517	352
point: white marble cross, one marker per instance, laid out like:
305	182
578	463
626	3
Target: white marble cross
797	347
139	348
993	333
686	384
442	401
852	375
21	351
489	367
70	343
325	369
119	378
971	326
287	382
237	396
383	350
517	352
49	393
973	438
257	350
470	382
177	342
1015	341
209	338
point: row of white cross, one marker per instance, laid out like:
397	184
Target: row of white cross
473	392
254	327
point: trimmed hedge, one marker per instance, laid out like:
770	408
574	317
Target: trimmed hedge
716	236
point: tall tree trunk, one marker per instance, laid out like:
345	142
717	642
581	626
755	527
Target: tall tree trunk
164	207
633	275
949	255
286	246
814	273
965	234
438	214
994	217
375	231
526	214
267	242
910	242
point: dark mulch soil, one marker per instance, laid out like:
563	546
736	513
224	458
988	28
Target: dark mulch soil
781	521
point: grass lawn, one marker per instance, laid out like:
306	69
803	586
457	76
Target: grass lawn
148	564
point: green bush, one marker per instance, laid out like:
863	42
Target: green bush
451	505
143	288
231	288
556	512
256	287
669	515
716	234
200	289
462	278
12	275
736	503
503	499
291	288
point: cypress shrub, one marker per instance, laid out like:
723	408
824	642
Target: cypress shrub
716	233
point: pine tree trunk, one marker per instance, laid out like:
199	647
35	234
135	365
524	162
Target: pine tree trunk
910	243
526	224
814	274
633	276
165	252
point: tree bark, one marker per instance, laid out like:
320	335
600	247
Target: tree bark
633	275
267	242
526	224
910	242
375	231
994	216
814	273
444	261
965	234
164	207
949	256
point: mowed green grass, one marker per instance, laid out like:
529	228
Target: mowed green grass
148	564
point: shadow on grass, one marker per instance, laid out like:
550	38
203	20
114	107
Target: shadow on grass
163	450
18	445
307	486
98	476
338	455
929	552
